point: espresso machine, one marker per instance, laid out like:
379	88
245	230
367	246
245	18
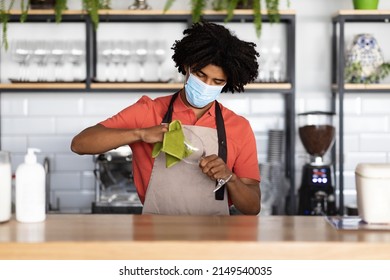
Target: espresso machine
317	193
115	192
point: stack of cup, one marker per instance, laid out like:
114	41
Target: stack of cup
273	183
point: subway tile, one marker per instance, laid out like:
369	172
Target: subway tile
317	104
27	126
74	200
266	105
14	143
54	105
376	104
14	105
263	124
366	124
379	142
108	105
65	181
352	159
349	181
51	143
88	180
351	143
73	125
352	105
73	162
236	102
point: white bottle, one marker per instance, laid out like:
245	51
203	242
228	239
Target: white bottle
30	189
5	186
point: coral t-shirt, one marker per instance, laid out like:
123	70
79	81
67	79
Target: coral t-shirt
241	144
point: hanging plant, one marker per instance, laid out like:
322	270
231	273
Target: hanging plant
197	7
272	7
5	15
60	6
93	6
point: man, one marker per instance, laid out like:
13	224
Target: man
213	61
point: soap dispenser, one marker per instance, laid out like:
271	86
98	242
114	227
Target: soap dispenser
30	189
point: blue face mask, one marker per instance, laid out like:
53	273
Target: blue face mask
199	94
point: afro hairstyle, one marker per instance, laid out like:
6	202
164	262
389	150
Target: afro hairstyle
207	43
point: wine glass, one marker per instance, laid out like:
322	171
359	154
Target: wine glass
194	145
21	53
158	48
141	52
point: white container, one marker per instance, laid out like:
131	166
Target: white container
5	186
373	192
30	190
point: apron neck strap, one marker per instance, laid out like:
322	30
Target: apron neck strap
222	143
168	115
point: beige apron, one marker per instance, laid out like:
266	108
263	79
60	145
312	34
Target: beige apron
183	189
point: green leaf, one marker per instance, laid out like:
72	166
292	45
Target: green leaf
257	17
197	8
59	7
168	5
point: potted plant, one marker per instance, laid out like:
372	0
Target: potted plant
197	7
365	4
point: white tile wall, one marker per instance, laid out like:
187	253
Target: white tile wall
50	120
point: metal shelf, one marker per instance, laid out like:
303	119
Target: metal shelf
339	88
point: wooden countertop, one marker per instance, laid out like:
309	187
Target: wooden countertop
184	237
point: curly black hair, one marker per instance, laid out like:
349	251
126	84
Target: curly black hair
209	43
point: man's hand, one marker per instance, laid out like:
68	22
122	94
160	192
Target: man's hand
153	134
214	167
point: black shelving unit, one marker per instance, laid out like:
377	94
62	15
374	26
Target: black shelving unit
339	87
287	89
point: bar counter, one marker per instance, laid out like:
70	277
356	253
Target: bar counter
148	237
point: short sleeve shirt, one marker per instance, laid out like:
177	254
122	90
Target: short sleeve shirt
146	112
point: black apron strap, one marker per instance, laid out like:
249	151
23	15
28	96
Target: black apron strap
222	143
168	115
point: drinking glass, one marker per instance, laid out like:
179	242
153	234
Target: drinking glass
159	52
194	144
141	53
39	56
21	54
77	57
104	55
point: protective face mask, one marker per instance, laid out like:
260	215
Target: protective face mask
199	94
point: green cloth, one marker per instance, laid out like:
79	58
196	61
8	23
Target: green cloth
173	145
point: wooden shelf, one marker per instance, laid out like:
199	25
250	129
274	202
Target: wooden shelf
362	87
143	86
130	86
145	12
270	86
48	12
362	12
34	86
367	86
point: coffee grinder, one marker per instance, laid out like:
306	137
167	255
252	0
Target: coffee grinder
316	193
